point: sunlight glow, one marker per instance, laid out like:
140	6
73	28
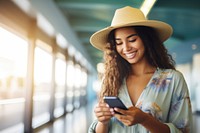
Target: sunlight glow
61	41
147	5
60	72
42	73
13	55
44	24
70	74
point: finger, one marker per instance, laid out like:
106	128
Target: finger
104	118
126	122
103	112
102	109
121	118
102	104
121	111
100	114
124	119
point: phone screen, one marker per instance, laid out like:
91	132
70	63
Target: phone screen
114	102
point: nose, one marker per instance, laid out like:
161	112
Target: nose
126	46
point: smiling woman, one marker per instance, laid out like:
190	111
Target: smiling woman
129	45
139	70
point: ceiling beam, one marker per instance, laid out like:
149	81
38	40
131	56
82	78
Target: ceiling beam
87	25
186	4
96	5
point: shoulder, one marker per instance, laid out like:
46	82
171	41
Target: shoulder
174	77
177	80
171	73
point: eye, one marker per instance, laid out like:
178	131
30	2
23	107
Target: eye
133	40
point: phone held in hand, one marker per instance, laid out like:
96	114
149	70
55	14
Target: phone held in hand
114	102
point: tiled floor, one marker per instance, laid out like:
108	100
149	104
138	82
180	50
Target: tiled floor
79	121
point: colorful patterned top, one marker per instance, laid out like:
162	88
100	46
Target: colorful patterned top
165	97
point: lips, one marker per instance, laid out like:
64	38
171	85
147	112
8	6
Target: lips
130	55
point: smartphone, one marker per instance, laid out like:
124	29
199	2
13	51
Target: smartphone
114	102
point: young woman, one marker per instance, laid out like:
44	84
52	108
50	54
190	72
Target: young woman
139	70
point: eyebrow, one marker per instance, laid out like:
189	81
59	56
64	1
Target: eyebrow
128	36
132	35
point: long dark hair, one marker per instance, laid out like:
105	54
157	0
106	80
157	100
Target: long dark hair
156	53
117	68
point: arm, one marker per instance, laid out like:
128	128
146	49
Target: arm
181	116
180	113
134	116
98	127
102	128
154	125
103	114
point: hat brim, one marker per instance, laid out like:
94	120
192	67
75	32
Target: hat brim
100	38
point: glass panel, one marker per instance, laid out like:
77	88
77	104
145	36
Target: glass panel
195	90
60	67
70	85
42	87
77	86
13	67
84	77
83	98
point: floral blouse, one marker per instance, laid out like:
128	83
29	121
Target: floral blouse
165	97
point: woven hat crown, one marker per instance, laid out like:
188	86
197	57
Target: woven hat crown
127	15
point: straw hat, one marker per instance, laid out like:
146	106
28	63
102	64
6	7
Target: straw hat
128	16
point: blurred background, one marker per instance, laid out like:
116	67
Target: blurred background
49	70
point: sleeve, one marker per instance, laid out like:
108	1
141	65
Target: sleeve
93	127
180	114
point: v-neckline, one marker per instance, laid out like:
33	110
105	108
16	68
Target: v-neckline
126	90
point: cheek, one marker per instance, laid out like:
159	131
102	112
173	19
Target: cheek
142	51
141	47
118	49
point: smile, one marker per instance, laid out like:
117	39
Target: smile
130	55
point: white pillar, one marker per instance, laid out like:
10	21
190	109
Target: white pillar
196	80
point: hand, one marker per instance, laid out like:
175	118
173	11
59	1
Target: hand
131	116
103	112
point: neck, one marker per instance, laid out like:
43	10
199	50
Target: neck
142	68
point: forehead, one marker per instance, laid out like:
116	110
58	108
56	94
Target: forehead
125	31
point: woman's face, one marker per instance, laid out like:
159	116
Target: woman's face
129	45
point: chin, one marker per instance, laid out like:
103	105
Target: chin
132	62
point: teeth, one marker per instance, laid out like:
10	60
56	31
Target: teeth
130	55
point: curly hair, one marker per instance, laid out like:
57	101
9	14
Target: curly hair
117	68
